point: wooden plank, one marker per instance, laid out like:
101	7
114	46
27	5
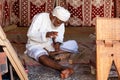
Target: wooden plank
12	56
117	57
1	42
104	60
108	46
0	76
2	34
108	29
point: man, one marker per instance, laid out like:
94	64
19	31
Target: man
45	36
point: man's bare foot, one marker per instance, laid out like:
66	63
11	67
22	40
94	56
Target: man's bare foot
66	73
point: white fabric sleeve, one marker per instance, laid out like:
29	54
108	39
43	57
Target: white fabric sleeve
38	37
35	33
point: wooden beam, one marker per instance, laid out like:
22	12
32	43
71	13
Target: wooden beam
12	56
108	46
0	76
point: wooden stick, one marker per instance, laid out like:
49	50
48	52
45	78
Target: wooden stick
0	76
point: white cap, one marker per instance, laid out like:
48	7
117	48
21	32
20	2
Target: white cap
61	13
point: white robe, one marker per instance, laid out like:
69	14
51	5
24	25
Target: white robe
37	40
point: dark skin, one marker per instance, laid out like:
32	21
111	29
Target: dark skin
65	72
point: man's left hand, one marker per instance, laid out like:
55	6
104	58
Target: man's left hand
56	46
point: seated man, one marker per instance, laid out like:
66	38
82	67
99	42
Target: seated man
46	35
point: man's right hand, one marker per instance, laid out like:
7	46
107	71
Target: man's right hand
52	34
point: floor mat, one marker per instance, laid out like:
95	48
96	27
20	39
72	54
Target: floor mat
40	72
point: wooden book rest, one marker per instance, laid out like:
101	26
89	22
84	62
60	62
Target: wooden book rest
108	46
12	56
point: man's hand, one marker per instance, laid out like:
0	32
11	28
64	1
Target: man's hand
52	34
56	46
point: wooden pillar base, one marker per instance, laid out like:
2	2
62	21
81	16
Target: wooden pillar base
108	46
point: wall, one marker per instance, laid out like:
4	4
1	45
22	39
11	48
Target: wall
83	12
117	8
21	12
0	13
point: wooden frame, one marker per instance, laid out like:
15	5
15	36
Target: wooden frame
108	46
0	76
12	56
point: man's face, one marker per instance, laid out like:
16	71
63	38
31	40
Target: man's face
56	22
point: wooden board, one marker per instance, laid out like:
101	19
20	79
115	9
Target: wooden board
0	76
12	56
108	46
108	29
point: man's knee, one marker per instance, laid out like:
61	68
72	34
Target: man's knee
70	46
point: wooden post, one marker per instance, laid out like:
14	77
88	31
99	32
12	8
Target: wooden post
0	76
108	46
12	56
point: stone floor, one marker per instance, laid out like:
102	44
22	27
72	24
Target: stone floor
82	72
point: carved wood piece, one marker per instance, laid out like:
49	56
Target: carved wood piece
108	46
12	56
